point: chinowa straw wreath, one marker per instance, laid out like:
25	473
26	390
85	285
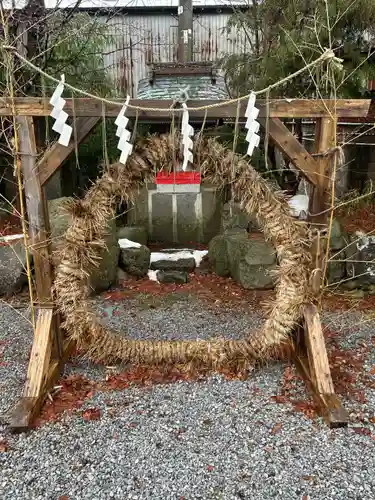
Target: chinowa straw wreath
84	243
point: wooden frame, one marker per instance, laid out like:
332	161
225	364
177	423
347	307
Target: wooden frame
277	108
50	350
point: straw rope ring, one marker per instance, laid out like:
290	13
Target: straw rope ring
84	242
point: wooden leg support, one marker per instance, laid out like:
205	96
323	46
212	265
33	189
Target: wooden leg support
42	374
312	361
49	351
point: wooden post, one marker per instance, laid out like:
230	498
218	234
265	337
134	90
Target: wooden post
319	202
324	137
39	381
185	31
40	354
49	351
320	373
38	222
318	359
310	350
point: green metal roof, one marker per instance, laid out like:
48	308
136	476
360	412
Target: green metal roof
171	87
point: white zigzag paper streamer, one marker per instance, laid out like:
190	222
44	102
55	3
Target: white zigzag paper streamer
123	144
59	115
187	132
252	126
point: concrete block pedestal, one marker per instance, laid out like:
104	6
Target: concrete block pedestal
178	212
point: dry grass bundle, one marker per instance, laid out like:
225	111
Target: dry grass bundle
84	240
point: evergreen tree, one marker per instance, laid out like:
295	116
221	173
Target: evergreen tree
282	36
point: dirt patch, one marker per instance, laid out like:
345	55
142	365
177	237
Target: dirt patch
213	290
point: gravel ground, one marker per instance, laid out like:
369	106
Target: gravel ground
214	439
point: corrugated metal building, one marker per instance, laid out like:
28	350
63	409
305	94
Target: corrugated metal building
147	32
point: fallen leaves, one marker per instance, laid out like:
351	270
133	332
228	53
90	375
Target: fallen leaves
362	219
276	428
73	392
205	286
347	370
91	414
10	225
147	376
349	376
334	301
290	393
279	399
4	446
363	431
308	478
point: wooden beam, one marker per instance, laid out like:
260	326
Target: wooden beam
324	140
37	219
40	354
279	108
290	146
28	407
320	372
57	154
316	350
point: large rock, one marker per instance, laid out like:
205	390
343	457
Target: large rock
184	265
105	275
247	261
336	271
139	234
234	218
339	239
360	256
135	260
13	275
172	276
122	276
218	255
